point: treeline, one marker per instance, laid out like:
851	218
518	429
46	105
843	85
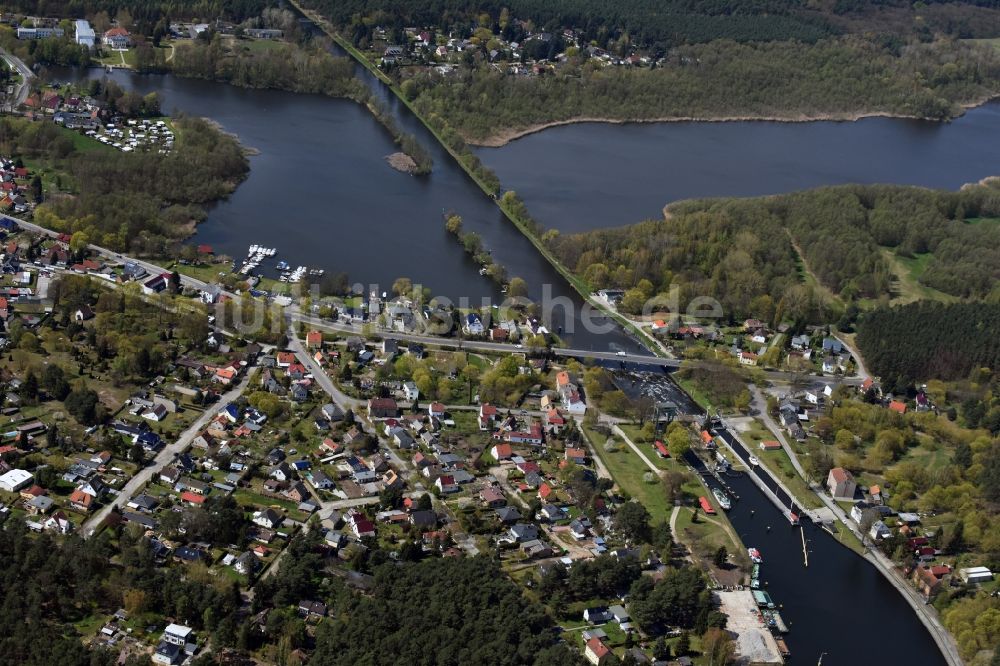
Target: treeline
136	202
840	77
456	610
745	253
927	339
646	22
298	68
283	67
660	25
144	13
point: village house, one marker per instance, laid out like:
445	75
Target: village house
118	38
487	416
382	408
841	483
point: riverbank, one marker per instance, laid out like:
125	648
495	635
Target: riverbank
468	162
504	137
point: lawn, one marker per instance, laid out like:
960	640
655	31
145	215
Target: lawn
696	394
908	271
203	272
628	472
705	536
84	143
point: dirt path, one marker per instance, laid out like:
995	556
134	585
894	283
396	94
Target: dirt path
805	266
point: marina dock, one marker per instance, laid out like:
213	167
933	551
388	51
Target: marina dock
755	644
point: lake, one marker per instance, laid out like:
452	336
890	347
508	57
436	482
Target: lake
629	172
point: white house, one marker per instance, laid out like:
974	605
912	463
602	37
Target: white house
975	575
410	391
177	634
15	479
473	324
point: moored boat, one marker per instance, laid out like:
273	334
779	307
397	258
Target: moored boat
723	498
754	555
779	622
763	599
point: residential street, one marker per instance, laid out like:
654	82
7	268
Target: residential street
163	458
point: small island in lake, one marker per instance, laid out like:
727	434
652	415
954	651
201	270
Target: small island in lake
401	162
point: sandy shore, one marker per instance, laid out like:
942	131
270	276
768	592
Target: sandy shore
504	137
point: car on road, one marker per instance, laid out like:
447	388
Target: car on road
621	353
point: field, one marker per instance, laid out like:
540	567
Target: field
908	271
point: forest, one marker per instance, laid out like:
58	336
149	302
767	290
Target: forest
137	202
660	24
926	339
752	255
834	78
442	612
283	66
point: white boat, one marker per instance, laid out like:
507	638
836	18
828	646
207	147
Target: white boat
723	499
754	555
753	461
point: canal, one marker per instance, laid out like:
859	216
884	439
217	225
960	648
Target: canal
838	606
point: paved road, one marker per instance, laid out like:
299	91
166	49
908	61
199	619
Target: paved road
163	458
862	371
26	75
294	315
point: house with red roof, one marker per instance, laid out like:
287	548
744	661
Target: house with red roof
192	498
897	406
596	652
502	451
118	38
81	501
544	491
446	484
554	421
314	339
841	483
661	449
578	456
487	415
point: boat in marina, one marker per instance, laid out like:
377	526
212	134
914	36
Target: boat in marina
755	577
778	622
754	555
763	599
753	461
723	498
